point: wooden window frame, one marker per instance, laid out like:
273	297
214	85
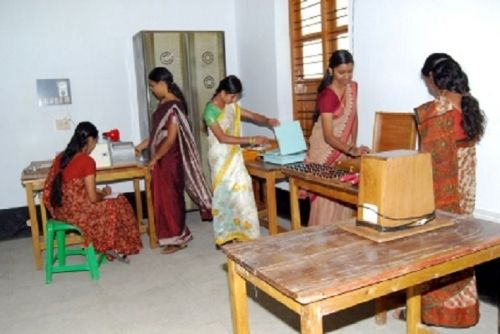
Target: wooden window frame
304	90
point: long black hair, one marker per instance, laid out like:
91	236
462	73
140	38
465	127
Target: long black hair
162	74
230	84
448	75
337	58
83	132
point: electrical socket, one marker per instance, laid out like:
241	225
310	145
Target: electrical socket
63	123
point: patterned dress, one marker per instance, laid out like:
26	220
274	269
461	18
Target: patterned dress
233	205
451	301
109	224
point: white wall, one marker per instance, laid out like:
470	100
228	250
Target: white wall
264	60
89	42
391	40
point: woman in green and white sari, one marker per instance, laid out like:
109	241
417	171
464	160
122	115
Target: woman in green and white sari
233	206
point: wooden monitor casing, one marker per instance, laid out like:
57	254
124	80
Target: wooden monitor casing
396	184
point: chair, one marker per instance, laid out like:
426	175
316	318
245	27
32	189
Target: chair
57	263
394	130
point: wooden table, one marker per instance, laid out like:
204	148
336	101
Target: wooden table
332	188
269	173
34	182
320	270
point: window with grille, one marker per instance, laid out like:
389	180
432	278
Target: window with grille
317	28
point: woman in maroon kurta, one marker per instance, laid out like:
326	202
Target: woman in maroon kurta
175	164
70	194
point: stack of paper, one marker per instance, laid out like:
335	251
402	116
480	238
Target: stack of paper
291	143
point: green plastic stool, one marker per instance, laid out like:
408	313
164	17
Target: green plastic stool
57	264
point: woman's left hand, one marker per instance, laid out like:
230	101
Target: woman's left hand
364	149
152	163
106	190
273	122
359	151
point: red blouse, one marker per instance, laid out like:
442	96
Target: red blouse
79	167
328	102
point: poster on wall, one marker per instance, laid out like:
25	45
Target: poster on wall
53	92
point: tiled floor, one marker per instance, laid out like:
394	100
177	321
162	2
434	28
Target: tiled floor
181	293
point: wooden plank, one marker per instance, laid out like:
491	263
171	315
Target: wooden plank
313	263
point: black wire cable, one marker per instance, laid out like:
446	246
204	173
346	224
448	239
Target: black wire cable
415	221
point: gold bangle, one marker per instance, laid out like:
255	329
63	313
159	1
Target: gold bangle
252	140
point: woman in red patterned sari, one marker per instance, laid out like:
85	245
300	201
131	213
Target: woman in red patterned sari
334	133
449	128
70	195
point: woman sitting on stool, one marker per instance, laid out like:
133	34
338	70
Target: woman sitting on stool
70	194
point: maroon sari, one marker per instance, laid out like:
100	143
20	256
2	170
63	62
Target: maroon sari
178	170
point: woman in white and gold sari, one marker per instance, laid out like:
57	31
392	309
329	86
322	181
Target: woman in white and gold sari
233	207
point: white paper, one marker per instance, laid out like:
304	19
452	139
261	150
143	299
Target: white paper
112	195
370	213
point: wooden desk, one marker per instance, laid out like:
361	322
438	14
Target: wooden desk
331	188
330	270
270	173
33	184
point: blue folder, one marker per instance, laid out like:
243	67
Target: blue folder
291	144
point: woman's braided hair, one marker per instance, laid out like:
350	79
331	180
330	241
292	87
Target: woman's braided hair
83	132
448	75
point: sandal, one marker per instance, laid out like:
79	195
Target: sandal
172	248
399	314
113	255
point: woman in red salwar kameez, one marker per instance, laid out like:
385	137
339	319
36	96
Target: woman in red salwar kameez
175	164
70	195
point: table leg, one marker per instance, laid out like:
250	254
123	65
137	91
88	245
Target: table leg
272	219
153	240
380	311
138	201
35	233
498	298
238	295
413	307
413	312
311	320
294	204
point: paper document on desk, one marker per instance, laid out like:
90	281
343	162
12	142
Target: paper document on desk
290	138
291	144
